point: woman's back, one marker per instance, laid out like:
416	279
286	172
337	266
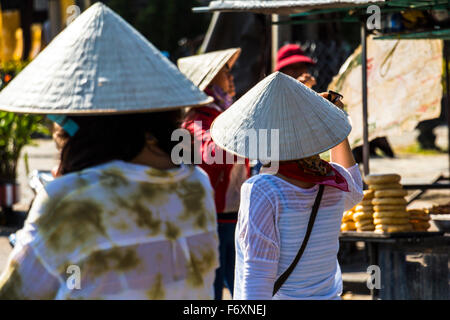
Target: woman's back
273	229
133	232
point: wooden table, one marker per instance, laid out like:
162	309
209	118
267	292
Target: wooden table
413	265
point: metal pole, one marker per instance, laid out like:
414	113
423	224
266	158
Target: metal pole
54	12
366	149
275	39
447	91
26	19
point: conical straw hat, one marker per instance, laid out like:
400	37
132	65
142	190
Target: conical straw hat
201	69
99	65
308	124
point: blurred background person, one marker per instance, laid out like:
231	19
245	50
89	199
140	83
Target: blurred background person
211	72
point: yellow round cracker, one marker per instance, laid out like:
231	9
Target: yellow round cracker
360	208
390	214
348	226
391	193
366	227
377	187
362	223
390	201
420	218
368	194
358	216
389	207
388	221
367	203
420	230
417	211
382	178
348	216
416	214
393	228
421	225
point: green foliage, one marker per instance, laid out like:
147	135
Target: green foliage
15	133
415	148
163	22
15	129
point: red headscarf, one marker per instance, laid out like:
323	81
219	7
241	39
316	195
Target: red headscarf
314	170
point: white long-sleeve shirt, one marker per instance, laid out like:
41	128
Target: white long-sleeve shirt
273	218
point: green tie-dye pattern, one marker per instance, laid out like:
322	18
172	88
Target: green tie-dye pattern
158	173
81	182
122	226
157	291
172	231
200	266
67	224
115	259
192	194
156	194
12	288
113	178
141	214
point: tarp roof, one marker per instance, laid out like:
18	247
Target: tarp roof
280	6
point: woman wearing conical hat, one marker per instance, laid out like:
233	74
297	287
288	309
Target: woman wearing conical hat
306	195
211	72
121	221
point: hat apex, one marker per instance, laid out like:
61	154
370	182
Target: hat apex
279	105
99	64
202	69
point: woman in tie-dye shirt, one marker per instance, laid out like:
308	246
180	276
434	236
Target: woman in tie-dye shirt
120	222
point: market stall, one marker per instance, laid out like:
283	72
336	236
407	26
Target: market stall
414	263
352	11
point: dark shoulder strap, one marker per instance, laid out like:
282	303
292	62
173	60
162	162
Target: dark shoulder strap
312	218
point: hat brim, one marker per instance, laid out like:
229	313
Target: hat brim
231	60
292	60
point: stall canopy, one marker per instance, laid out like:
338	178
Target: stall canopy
280	6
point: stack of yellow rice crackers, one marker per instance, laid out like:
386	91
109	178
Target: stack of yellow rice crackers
360	217
363	214
389	203
383	208
419	219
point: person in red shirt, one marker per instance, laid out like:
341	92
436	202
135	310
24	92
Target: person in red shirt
211	72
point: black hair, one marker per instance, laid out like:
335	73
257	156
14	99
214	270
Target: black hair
101	139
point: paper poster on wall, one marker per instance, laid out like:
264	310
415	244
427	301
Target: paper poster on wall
404	86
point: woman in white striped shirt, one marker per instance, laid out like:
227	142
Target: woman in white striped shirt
273	218
275	209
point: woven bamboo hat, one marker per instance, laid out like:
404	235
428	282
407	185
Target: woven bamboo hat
201	69
99	65
308	124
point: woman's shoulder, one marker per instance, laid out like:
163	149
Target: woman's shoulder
262	179
199	175
66	184
266	184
